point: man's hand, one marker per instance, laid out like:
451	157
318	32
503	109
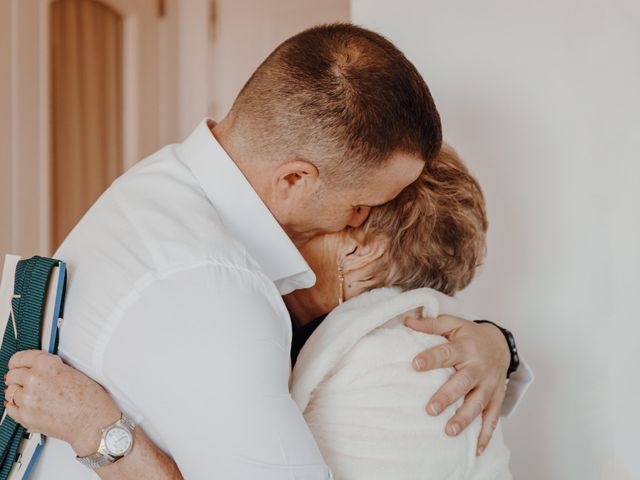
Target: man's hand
47	396
481	357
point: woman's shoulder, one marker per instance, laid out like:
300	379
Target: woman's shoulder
357	329
387	352
398	340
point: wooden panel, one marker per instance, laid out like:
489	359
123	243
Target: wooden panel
86	107
6	216
21	140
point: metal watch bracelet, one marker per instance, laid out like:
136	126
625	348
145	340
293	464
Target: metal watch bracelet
104	456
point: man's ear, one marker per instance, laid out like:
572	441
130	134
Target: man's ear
294	179
361	253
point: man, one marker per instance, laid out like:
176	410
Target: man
177	272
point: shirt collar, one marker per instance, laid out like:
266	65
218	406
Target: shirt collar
242	211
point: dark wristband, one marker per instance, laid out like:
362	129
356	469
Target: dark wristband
511	343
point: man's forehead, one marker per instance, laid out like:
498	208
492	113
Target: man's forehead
378	193
373	197
385	183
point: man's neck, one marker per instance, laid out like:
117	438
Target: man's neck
254	171
303	307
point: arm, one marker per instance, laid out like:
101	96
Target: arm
368	416
209	374
481	357
60	401
213	380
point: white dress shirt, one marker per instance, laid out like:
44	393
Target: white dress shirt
174	305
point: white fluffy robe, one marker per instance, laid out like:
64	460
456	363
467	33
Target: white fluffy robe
366	405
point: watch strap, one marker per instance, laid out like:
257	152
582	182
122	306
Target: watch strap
96	460
101	458
127	422
511	343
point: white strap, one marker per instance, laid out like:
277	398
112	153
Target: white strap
7	285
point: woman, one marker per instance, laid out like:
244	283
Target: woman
432	235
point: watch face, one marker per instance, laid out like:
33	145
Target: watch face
118	441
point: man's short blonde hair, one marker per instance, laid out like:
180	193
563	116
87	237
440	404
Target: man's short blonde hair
342	97
436	228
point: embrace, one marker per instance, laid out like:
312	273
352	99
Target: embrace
270	299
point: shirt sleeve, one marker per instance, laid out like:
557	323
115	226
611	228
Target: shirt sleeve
519	383
203	356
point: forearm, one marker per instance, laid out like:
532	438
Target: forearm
145	461
61	402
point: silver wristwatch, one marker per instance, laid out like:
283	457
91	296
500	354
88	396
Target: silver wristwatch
116	442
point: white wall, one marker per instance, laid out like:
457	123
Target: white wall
542	100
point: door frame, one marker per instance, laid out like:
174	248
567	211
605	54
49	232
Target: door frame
166	91
147	78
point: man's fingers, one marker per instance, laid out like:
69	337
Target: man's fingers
24	359
442	356
442	325
456	387
473	406
490	418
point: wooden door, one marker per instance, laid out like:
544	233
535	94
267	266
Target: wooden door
104	96
86	38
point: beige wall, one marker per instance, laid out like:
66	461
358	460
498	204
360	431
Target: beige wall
23	147
219	44
5	128
247	31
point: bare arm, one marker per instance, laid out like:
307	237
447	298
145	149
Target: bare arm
55	399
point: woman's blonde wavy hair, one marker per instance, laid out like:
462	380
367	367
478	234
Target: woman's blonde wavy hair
436	228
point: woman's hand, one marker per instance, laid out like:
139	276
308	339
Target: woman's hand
47	396
481	357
